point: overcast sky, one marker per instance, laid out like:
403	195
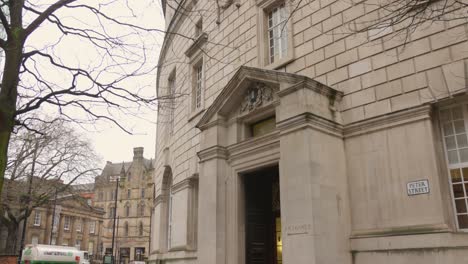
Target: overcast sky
110	142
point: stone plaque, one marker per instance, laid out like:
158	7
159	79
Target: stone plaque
417	187
300	229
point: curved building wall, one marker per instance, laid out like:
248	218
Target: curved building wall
391	89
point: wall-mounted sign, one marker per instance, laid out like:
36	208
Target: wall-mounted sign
417	187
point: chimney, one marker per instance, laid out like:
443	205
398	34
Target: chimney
137	153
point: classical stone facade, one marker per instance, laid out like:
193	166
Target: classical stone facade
77	224
134	199
288	138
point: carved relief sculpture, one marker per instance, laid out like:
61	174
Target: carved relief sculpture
256	95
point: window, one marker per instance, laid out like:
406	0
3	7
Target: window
79	224
127	210
143	193
129	193
92	227
66	223
169	219
78	244
274	34
454	122
140	229
126	229
91	247
198	28
111	212
277	33
263	127
198	85
34	239
166	210
141	210
171	100
37	218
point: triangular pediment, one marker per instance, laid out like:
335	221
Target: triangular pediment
253	88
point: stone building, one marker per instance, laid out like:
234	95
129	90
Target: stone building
288	138
134	198
76	224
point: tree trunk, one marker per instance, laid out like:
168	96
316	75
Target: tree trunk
8	96
12	239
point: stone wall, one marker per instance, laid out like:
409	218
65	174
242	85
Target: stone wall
390	135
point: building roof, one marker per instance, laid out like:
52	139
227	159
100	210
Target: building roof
86	187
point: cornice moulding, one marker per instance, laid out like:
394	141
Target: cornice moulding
387	121
214	152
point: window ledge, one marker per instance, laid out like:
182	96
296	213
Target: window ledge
280	63
197	44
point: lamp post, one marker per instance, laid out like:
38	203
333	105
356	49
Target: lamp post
28	201
151	219
53	217
115	218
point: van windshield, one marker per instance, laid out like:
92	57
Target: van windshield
86	255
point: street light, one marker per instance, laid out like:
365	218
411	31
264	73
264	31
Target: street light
115	218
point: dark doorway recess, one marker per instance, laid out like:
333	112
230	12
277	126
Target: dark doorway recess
263	217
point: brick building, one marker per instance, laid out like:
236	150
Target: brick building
291	138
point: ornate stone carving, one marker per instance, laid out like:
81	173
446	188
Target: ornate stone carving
256	95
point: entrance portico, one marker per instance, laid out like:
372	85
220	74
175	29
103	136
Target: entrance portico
304	143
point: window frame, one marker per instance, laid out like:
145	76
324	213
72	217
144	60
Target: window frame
37	218
140	228
126	229
459	165
141	209
92	227
264	8
78	244
79	225
66	223
198	85
127	210
171	91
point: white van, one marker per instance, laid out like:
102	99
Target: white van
39	254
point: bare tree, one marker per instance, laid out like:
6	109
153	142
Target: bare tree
405	16
41	167
52	75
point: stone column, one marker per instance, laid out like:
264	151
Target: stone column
211	202
314	210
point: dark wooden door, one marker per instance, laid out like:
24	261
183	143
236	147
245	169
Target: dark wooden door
259	240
